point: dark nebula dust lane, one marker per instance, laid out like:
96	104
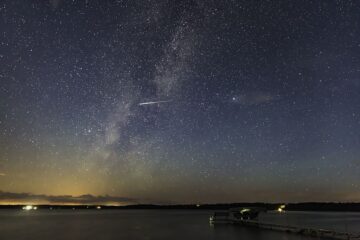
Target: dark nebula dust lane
179	101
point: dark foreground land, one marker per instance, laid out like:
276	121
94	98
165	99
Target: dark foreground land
308	206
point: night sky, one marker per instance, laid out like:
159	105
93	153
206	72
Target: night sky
142	101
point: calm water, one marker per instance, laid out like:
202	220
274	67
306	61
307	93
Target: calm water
149	224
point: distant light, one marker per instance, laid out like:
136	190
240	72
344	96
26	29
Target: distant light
98	207
198	205
244	210
281	208
29	207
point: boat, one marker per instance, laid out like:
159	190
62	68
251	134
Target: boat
236	215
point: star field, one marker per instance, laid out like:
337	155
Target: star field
247	101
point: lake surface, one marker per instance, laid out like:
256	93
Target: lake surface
153	224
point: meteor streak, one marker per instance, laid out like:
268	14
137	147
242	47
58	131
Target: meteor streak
150	103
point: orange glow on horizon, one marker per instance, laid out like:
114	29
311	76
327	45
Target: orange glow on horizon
20	203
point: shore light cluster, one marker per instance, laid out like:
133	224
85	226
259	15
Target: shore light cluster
29	207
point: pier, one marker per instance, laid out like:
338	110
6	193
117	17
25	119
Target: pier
305	231
249	217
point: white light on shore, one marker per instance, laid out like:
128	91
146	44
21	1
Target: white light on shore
281	208
29	207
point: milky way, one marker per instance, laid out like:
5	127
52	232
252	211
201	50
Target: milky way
179	101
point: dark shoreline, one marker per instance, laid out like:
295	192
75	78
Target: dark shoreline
307	206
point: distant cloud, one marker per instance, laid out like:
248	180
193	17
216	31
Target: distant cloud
22	198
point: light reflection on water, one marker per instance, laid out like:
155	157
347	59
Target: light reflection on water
150	224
